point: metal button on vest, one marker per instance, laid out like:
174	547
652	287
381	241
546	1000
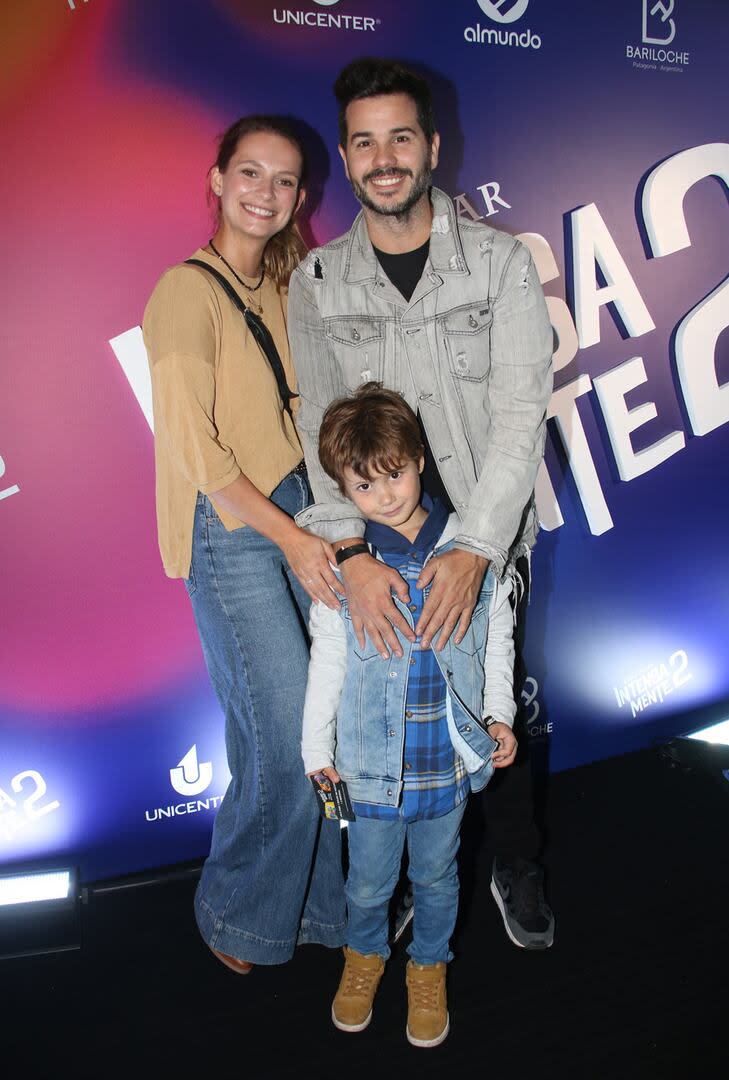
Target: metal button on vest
467	727
391	732
392	674
412	661
472	322
355	334
408	714
408	765
413	607
389	793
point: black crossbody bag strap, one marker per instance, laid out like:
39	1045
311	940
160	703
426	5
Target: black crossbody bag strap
260	332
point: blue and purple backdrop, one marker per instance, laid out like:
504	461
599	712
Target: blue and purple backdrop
593	131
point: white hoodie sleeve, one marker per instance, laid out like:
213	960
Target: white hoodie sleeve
327	668
498	691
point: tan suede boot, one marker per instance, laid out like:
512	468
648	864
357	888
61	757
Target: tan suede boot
428	1022
352	1005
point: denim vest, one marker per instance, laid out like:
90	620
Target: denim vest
471	352
371	725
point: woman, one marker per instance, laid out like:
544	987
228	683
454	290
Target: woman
230	478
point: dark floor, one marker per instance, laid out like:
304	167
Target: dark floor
635	985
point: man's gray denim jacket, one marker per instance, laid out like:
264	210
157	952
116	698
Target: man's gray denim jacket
471	351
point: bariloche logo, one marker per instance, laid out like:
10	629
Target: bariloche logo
503	11
660	13
659	30
190	777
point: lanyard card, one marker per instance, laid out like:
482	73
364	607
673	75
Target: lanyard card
333	799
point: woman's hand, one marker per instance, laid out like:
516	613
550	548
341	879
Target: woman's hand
309	557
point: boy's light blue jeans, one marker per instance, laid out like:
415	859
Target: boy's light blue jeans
375	853
273	876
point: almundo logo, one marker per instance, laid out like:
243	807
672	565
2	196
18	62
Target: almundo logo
191	777
503	11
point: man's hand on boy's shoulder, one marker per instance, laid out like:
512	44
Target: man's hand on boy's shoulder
455	580
505	751
369	585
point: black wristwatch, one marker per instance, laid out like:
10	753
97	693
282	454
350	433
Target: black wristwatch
348	552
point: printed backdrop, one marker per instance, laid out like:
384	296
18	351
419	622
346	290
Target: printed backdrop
594	131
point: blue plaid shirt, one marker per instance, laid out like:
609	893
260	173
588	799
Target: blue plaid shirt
435	780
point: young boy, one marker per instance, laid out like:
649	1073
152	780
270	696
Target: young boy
410	736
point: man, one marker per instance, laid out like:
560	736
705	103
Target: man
450	314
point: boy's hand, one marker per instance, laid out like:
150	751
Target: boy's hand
328	771
505	752
367	583
456	578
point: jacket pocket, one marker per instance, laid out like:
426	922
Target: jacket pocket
467	341
369	651
474	639
357	342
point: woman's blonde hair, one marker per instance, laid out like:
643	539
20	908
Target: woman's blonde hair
286	249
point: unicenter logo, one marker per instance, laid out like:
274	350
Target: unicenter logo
324	20
191	776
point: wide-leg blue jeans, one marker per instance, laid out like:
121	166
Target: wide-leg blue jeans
273	877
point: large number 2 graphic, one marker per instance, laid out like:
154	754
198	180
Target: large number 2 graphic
29	804
10	817
707	403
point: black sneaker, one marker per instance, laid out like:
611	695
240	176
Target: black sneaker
403	913
517	889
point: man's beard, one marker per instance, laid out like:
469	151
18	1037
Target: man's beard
421	184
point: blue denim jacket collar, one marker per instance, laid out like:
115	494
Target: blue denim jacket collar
384	538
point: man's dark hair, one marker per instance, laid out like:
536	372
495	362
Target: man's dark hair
371	77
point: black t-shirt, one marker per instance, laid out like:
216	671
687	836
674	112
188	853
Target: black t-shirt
404	271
